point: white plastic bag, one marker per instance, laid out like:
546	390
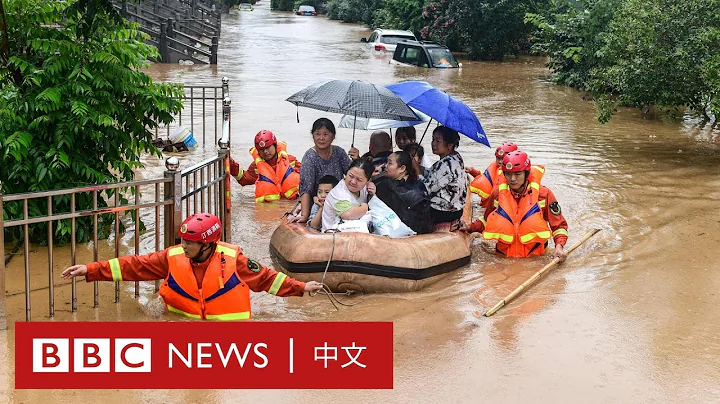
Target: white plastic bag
355	226
386	221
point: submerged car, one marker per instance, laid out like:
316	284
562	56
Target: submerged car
424	54
242	7
387	39
306	10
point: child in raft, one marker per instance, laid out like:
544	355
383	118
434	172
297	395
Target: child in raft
418	154
326	184
348	200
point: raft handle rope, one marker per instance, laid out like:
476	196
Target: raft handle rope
326	289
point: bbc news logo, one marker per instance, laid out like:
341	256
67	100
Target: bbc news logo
204	355
53	355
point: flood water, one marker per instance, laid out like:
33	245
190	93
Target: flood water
632	316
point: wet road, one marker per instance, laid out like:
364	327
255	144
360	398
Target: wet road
633	316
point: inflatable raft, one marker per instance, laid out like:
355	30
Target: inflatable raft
369	263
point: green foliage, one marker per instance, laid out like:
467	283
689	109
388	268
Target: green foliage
400	14
486	29
660	55
353	10
282	5
75	106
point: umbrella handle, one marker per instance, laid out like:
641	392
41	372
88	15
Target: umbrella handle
426	129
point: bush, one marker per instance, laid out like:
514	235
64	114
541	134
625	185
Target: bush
75	106
641	53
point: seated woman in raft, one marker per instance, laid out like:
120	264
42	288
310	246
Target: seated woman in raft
402	192
348	200
446	181
321	160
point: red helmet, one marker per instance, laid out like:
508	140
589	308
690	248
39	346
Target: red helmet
504	149
201	227
516	161
265	139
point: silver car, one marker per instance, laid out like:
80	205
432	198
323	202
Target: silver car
386	40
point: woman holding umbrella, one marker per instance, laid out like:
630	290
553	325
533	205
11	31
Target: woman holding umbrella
321	160
446	181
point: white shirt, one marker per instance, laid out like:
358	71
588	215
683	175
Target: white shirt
426	162
330	215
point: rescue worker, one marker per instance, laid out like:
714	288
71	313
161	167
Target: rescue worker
483	184
522	215
204	277
274	172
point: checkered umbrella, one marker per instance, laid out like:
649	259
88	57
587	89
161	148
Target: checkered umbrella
356	98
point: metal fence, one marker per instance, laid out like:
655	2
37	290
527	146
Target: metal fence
202	113
129	206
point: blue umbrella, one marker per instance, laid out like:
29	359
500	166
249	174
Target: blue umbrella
442	107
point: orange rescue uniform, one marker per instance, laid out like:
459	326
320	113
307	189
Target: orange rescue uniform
535	244
276	177
484	183
206	290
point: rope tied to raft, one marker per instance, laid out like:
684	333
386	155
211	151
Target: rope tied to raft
326	289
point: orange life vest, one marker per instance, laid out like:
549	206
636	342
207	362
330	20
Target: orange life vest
519	224
274	182
484	184
223	296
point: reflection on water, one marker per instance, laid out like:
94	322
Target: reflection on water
630	317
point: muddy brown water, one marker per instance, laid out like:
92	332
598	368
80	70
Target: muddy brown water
631	317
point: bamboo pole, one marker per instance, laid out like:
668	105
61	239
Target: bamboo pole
537	275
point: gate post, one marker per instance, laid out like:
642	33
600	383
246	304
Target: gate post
163	44
224	154
173	191
3	307
213	51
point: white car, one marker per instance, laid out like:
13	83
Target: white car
386	39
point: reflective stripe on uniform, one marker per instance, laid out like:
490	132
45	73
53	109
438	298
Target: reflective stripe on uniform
542	203
541	234
560	232
115	270
503	187
279	279
290	192
226	250
243	315
176	251
268	198
494	236
479	192
178	311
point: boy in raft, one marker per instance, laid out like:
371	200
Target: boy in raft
522	215
484	183
326	184
204	277
274	172
406	135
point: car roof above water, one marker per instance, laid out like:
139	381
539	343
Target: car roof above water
394	32
421	43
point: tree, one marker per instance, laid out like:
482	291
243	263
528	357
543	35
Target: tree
640	53
400	14
282	5
486	29
75	106
353	10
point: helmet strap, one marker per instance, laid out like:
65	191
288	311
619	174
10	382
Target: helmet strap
199	257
